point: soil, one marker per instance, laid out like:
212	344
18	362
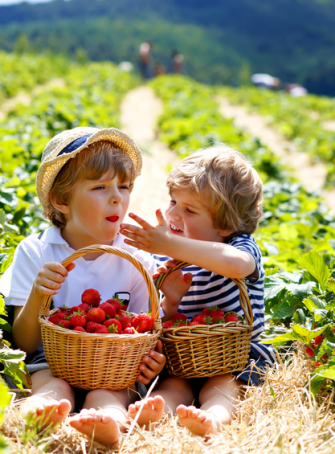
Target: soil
140	110
311	175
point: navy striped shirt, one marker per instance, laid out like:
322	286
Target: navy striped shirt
209	289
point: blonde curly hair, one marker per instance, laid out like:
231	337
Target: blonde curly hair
226	183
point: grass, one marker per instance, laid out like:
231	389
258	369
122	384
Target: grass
278	417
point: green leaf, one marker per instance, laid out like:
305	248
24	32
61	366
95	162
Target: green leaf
282	338
313	302
331	285
315	384
301	290
273	286
288	232
285	310
314	264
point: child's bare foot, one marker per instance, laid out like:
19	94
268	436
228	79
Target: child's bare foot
46	413
152	411
199	422
98	424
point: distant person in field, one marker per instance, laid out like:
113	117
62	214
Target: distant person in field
296	90
177	62
216	203
144	54
265	80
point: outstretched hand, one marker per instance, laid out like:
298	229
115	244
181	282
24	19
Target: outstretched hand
149	238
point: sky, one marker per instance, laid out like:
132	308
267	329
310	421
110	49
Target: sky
13	2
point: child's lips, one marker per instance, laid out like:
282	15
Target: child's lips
112	218
175	229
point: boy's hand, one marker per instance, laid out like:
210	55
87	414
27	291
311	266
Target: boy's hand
174	287
152	364
154	239
50	278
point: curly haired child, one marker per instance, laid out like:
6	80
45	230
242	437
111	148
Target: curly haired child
215	206
84	185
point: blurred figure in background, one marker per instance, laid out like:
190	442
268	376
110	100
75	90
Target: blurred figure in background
144	54
177	62
296	90
159	69
265	80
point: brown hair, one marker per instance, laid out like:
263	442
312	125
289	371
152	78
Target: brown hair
91	164
226	184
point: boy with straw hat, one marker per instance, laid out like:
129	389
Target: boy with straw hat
84	185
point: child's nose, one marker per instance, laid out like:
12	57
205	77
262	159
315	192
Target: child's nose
174	213
115	198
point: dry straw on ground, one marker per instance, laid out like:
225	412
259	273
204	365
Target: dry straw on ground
279	417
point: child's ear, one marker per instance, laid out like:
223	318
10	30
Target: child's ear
60	205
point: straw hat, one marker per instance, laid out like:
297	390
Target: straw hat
67	145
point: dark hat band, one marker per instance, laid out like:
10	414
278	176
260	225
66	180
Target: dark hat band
74	145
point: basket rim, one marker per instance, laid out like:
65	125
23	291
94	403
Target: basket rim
243	296
153	303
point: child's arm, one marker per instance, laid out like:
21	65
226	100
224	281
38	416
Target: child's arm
152	364
220	258
26	329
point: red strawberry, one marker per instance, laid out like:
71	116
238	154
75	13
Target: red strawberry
62	315
319	339
129	330
54	319
90	326
124	307
79	328
209	310
179	323
200	319
91	297
217	312
143	322
317	364
116	303
167	325
108	309
64	309
75	309
125	321
309	351
178	316
113	325
194	323
77	319
231	318
64	324
85	307
96	315
101	329
217	318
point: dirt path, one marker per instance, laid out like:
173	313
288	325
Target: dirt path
311	176
139	113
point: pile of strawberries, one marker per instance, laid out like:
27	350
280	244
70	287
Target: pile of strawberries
209	316
91	316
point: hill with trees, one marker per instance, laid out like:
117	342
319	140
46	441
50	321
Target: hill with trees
222	42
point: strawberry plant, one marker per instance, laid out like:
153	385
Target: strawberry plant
300	307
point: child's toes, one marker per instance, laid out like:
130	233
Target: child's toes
182	411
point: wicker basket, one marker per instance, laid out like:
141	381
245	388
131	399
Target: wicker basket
208	350
98	361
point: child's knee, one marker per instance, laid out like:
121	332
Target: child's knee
104	397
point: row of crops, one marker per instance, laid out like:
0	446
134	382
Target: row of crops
302	120
297	231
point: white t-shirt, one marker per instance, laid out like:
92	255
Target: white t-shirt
109	274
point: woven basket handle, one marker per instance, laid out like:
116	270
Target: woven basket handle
153	297
244	297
